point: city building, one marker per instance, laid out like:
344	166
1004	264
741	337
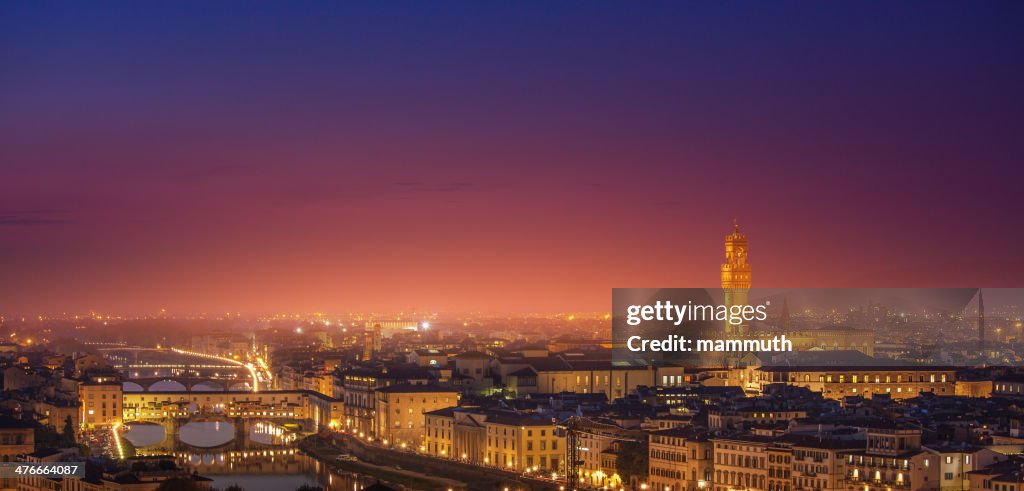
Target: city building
503	439
17	438
428	357
474	365
817	463
957	462
836	382
680	459
567	373
101	404
741	462
893	459
597	446
401	408
840	338
358	392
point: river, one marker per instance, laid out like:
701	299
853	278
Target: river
260	467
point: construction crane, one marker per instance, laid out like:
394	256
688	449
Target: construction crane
572	452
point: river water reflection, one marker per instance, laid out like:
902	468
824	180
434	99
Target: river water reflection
206	434
260	467
269	470
144	434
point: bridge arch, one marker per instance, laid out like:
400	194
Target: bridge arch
207	434
166	385
207	386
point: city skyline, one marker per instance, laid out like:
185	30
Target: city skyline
523	246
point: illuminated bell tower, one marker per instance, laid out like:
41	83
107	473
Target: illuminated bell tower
735	276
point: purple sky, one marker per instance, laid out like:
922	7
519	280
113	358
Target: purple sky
260	157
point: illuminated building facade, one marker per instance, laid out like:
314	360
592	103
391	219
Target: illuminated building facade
358	392
679	460
372	341
816	464
836	382
507	440
892	460
560	373
439	435
780	469
523	443
1008	386
598	442
102	404
834	339
319	410
401	408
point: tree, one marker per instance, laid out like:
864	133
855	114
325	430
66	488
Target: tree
234	487
69	431
632	460
46	437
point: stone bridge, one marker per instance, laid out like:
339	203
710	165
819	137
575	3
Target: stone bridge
313	409
187	384
238	434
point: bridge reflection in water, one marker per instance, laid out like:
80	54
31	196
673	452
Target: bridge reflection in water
270	470
268	433
257	468
228	434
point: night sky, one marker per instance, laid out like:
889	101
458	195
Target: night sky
499	156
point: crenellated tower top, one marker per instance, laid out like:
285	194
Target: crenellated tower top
736	259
